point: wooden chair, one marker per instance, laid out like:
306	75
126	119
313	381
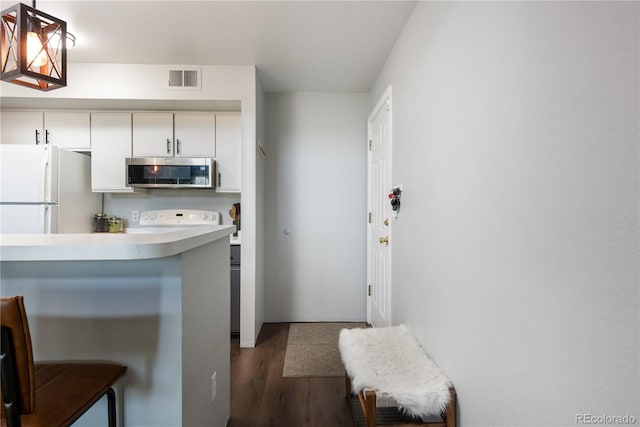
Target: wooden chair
51	394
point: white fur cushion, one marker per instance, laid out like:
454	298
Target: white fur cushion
391	361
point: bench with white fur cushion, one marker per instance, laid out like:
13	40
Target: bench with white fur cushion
388	365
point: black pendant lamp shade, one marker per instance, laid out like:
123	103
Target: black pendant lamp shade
34	50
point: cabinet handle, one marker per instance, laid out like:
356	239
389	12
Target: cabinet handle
46	136
177	146
37	137
219	179
168	146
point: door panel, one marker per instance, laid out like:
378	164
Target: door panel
153	135
379	235
22	127
195	134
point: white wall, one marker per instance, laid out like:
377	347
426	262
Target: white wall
515	255
315	188
258	309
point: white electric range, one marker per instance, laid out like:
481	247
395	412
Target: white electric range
165	220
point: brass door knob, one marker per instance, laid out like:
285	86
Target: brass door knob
384	240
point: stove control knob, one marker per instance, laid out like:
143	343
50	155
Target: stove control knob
205	216
145	216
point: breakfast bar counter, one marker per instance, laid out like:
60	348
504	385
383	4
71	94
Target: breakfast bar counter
157	302
108	246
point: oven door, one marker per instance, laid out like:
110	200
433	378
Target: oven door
171	172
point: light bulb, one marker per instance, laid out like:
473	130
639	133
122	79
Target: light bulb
36	54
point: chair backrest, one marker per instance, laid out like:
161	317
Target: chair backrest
13	318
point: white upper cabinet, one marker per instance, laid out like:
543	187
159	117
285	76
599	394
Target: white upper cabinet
64	129
159	134
195	134
22	127
67	129
153	135
112	136
110	146
228	152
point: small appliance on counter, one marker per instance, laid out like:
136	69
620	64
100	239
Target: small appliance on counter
116	225
234	213
103	223
100	223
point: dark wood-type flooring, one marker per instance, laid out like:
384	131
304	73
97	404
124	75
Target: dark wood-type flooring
261	397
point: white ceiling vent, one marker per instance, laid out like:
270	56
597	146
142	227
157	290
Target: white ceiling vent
185	79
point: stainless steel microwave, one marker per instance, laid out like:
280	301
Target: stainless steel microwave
171	172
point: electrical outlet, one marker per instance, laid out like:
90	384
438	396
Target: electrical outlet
135	216
214	386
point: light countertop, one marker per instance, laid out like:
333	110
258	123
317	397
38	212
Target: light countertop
108	246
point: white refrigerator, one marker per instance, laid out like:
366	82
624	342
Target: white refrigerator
44	189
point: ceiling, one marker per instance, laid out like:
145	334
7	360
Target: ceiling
296	45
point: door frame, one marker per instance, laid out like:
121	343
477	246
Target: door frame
384	101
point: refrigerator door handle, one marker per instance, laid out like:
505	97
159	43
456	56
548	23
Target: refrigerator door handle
47	220
46	192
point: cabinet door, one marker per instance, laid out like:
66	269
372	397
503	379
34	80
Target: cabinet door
195	134
110	146
22	127
228	152
153	135
71	130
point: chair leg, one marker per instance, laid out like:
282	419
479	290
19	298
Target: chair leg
111	407
10	384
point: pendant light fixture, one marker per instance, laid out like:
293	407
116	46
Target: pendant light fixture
34	48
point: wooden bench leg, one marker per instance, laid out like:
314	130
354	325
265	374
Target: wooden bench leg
449	414
368	402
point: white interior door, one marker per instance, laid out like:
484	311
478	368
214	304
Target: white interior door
379	228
